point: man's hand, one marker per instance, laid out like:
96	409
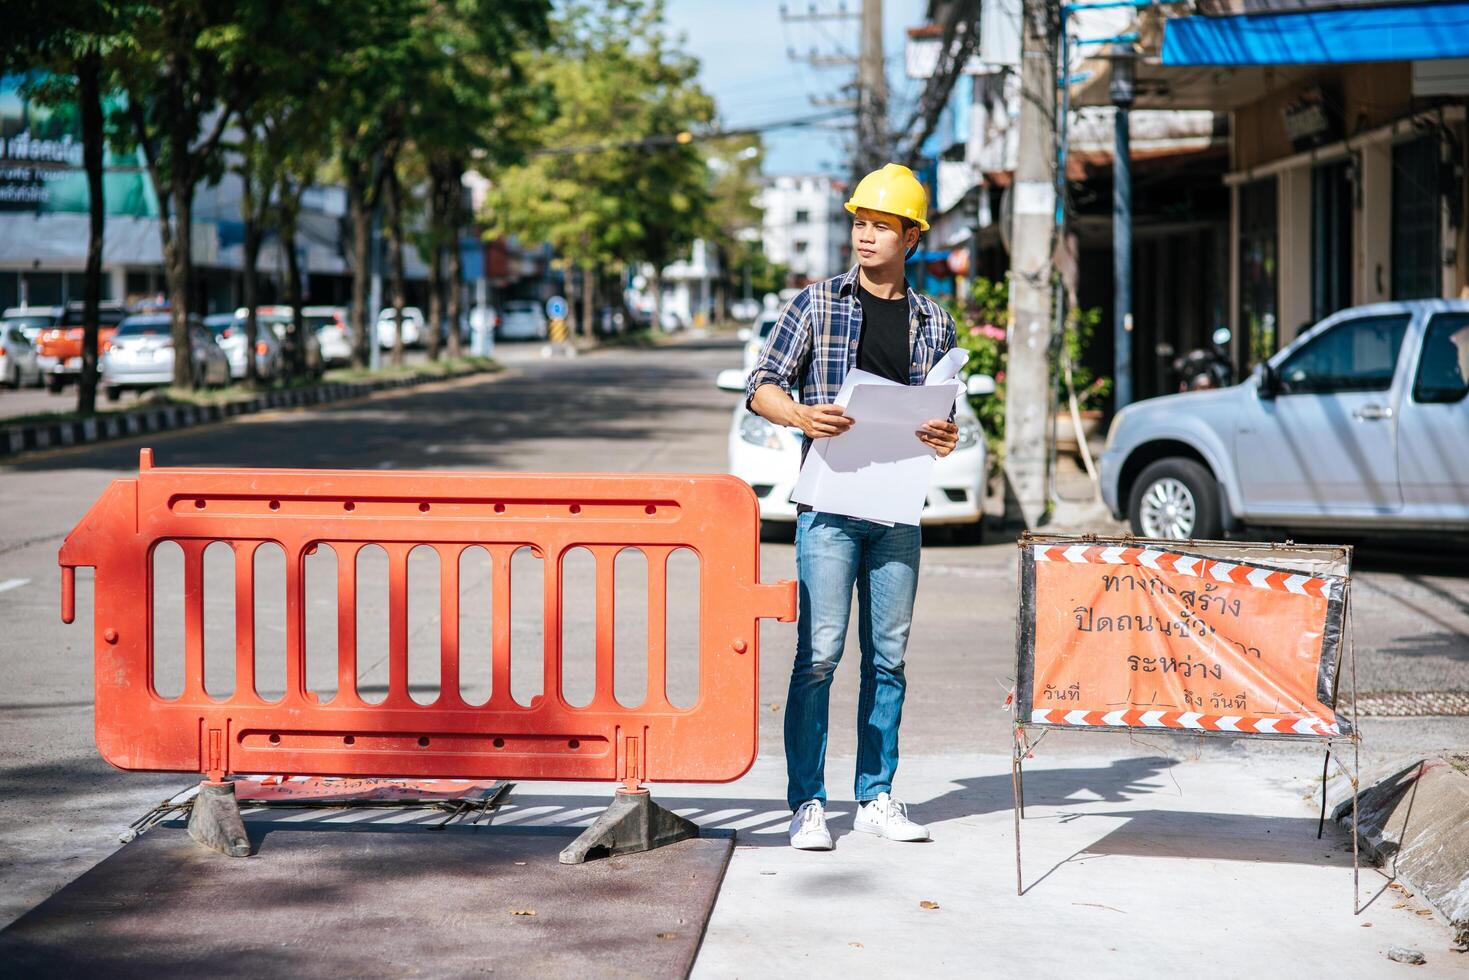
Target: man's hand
821	421
940	435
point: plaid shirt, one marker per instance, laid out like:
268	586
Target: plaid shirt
814	343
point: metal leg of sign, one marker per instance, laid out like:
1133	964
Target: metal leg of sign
1020	781
1015	788
1356	857
1325	765
1356	759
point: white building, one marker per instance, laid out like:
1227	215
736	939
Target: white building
805	227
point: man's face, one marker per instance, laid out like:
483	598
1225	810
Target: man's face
878	238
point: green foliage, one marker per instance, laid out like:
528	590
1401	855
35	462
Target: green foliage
1091	388
982	327
613	77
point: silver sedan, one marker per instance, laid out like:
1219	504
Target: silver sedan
141	356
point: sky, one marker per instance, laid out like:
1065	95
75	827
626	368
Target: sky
741	46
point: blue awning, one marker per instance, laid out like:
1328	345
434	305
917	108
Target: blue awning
1343	36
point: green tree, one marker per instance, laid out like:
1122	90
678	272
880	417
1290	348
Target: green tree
733	219
471	100
364	85
621	180
181	64
70	40
282	126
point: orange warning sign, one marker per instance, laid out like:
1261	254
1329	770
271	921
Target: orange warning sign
1138	637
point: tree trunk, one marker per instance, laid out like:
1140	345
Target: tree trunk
296	343
361	214
588	301
177	266
435	300
89	69
657	282
456	260
249	279
395	260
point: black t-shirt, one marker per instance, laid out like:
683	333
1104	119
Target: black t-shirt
883	347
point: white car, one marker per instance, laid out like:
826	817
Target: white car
755	335
387	327
524	320
279	319
17	358
141	356
328	324
229	333
768	458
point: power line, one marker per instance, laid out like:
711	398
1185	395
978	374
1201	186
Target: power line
686	137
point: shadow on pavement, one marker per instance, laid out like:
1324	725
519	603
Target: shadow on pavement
467	425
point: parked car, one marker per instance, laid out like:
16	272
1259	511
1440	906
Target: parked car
59	335
278	319
228	330
17	358
141	356
755	335
1361	424
329	325
524	320
33	319
768	457
387	326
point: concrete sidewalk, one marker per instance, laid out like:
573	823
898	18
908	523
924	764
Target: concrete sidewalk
1135	865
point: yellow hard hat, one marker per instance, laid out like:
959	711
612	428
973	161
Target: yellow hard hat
893	190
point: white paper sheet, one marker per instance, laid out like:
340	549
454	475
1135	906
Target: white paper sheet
878	470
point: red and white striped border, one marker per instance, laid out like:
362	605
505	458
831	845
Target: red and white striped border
1203	568
1184	720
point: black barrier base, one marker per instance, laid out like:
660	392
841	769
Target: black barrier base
632	823
214	820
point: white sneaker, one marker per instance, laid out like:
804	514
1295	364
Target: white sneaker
808	827
887	817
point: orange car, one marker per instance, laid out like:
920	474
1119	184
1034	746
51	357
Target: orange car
59	347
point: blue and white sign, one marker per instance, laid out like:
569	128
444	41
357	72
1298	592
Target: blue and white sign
556	308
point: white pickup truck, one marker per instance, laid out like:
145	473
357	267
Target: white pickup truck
1361	424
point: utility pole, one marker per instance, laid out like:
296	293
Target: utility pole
1122	92
867	93
872	92
1028	383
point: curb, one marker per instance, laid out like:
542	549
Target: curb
1414	821
16	440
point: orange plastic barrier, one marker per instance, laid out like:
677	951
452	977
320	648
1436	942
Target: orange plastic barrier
717	517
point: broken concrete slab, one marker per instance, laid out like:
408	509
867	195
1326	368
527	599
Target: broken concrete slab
1414	821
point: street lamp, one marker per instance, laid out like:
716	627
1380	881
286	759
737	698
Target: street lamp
1123	90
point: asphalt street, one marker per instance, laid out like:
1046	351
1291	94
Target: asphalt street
618	410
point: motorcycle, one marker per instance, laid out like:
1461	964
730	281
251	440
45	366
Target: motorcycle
1206	367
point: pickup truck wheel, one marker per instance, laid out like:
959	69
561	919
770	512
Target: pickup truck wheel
1175	498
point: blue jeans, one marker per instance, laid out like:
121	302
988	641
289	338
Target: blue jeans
832	554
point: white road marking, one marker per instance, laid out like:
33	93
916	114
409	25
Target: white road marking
13	583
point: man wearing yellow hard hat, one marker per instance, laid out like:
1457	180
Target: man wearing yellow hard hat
868	318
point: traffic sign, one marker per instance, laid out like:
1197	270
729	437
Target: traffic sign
556	308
